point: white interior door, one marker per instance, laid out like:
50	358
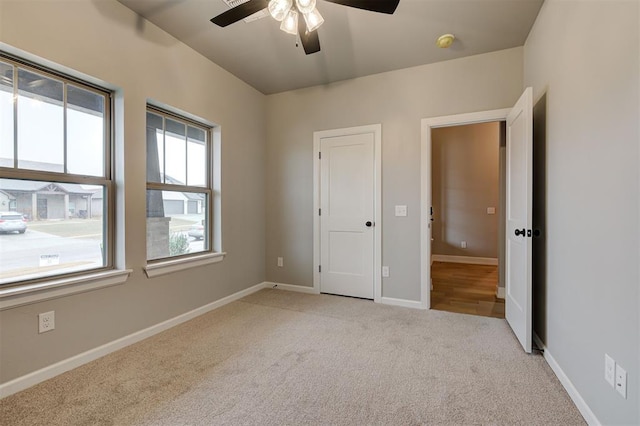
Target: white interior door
347	214
518	219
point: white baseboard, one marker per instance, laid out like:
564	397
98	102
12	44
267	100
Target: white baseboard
500	292
310	290
290	287
575	396
464	259
31	379
415	304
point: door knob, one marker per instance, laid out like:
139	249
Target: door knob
369	224
520	232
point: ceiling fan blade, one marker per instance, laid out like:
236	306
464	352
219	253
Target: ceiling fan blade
310	41
382	6
239	12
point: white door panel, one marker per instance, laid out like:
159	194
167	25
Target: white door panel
346	253
518	310
347	185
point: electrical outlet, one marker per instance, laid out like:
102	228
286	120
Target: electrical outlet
46	321
385	272
621	381
280	262
463	244
609	370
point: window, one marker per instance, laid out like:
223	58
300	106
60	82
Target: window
179	186
56	189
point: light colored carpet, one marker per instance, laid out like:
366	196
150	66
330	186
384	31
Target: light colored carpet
277	357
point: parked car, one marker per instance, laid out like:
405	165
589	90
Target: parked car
197	232
12	222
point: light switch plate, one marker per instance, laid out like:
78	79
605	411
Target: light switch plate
385	272
401	210
491	210
609	370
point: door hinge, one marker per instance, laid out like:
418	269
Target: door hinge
319	155
319	268
319	212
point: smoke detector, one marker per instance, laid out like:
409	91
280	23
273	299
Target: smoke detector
445	40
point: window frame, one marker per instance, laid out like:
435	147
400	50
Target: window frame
106	180
160	266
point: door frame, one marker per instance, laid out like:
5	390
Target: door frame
376	129
427	124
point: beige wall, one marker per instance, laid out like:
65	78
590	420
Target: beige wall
465	183
398	100
582	59
100	39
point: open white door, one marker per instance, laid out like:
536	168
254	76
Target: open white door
519	217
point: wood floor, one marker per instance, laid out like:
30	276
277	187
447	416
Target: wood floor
465	288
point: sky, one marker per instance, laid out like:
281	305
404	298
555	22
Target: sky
44	142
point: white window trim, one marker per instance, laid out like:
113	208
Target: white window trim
52	287
159	267
164	267
19	295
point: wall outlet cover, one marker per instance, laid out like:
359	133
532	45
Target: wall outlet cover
46	321
385	272
621	381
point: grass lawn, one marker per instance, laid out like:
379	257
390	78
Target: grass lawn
90	228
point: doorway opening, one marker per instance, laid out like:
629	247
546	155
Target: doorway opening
518	196
459	256
467	218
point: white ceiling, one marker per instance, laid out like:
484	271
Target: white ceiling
354	42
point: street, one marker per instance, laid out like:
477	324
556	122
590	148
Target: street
68	246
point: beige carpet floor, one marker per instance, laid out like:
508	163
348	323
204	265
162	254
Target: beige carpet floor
282	358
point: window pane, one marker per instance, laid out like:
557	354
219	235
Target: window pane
176	223
155	148
6	115
176	152
85	132
49	228
196	157
40	123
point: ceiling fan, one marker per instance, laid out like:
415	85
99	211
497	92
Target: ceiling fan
288	11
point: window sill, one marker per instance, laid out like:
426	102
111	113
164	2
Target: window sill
168	266
33	293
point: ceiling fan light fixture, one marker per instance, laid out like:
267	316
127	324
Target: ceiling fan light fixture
313	20
288	12
290	22
306	6
279	8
